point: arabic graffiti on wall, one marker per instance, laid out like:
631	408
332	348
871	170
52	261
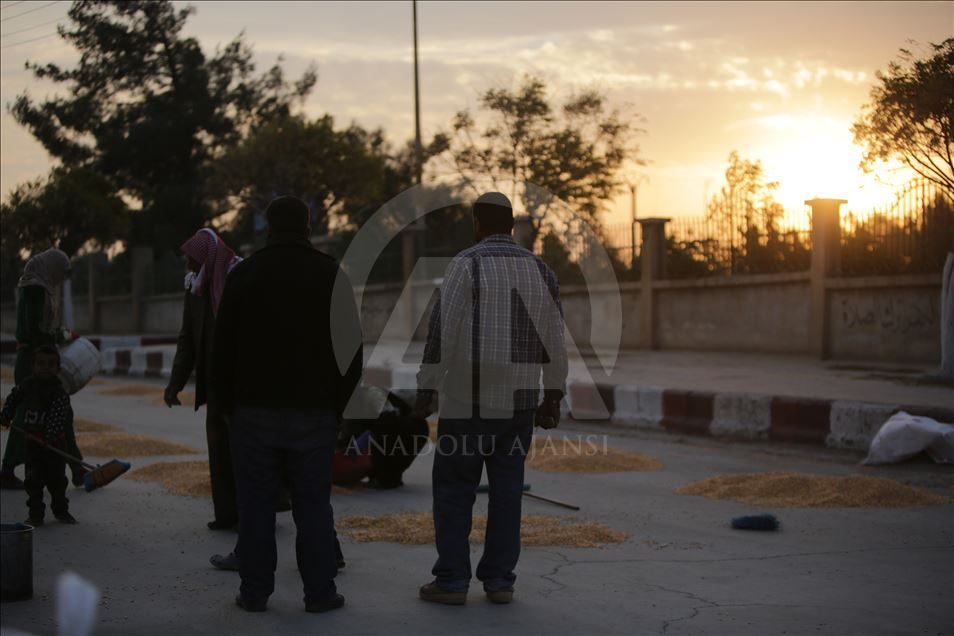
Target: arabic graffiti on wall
898	313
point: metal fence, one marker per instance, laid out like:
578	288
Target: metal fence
621	241
708	246
910	235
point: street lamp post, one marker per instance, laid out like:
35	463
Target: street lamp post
633	194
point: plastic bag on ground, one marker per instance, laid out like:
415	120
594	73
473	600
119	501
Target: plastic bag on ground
904	435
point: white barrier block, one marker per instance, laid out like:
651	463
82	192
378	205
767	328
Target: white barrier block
854	424
639	406
741	415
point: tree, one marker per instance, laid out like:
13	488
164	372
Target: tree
67	209
148	110
575	154
338	172
911	115
746	216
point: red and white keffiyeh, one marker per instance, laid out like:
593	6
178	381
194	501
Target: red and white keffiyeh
216	258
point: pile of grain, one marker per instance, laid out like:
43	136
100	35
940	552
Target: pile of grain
81	425
800	490
190	479
132	389
568	455
417	528
6	374
123	445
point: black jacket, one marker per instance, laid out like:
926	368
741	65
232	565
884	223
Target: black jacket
194	347
273	343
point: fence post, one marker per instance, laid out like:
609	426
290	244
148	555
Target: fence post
141	269
652	259
826	262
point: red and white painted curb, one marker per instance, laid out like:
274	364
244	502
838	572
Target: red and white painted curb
150	362
832	423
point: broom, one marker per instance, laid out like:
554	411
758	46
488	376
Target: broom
98	476
526	488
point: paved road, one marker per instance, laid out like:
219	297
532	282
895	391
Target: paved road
683	570
763	374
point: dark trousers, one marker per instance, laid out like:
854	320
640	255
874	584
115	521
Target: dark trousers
300	444
45	469
220	465
465	446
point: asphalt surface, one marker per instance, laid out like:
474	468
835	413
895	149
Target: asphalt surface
682	570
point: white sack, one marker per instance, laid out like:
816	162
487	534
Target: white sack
903	436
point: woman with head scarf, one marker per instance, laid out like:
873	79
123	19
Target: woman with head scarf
39	322
209	261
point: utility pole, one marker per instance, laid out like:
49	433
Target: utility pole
632	225
418	150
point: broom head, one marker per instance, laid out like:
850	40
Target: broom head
104	474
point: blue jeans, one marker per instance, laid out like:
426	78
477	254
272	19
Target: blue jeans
267	443
465	446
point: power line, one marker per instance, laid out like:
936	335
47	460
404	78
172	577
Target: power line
42	37
42	6
35	26
12	4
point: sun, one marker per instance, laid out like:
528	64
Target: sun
824	163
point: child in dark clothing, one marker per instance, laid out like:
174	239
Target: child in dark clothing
47	415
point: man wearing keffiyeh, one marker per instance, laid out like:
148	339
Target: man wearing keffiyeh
209	262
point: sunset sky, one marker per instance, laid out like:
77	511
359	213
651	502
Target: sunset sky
780	82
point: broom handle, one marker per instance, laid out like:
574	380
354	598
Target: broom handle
75	460
553	501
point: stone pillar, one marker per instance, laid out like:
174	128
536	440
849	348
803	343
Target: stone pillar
410	246
523	231
141	271
652	260
826	262
91	295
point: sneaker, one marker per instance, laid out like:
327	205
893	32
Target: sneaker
79	471
36	522
9	481
431	592
226	524
316	607
251	606
500	597
65	517
229	562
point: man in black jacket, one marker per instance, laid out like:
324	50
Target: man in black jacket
278	380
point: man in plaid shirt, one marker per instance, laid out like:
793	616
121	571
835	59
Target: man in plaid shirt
495	332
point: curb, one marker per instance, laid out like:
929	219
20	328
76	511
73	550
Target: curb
832	423
149	361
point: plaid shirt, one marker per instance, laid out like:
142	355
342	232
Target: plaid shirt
496	324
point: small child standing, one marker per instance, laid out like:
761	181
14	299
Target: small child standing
46	418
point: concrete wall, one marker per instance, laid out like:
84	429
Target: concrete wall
887	318
116	315
580	314
752	313
162	314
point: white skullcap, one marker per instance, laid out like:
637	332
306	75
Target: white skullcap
495	198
